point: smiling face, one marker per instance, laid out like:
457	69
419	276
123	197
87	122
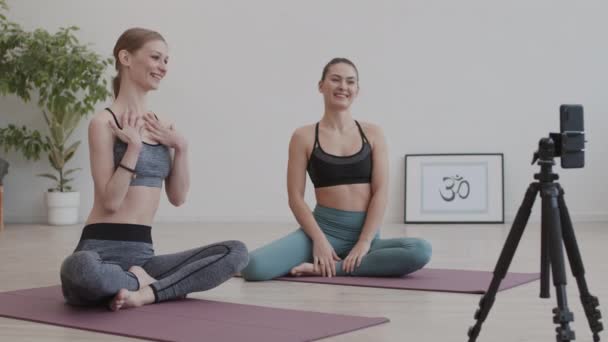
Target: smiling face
339	86
146	66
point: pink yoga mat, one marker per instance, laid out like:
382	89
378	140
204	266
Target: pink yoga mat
429	279
182	320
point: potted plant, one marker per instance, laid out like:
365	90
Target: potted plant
68	79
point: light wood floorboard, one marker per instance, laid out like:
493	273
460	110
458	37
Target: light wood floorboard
31	254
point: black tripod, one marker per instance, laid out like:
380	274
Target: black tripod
555	228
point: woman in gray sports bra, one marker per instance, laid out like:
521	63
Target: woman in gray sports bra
131	155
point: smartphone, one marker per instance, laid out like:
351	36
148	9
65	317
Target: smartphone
572	136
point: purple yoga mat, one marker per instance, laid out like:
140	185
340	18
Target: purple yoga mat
429	279
182	320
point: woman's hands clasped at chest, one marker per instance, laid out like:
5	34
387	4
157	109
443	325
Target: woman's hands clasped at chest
163	134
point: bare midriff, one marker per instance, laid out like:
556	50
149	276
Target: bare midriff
348	197
138	207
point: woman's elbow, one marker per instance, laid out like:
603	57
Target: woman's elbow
111	205
177	201
380	191
109	202
294	202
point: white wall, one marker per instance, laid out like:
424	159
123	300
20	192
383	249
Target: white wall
438	76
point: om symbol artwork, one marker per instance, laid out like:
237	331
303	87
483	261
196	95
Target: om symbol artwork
454	186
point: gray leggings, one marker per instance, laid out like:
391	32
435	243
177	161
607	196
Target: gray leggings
98	268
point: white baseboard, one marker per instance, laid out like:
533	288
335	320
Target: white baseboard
575	217
168	219
225	219
24	219
509	217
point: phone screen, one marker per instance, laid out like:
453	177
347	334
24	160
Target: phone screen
571	118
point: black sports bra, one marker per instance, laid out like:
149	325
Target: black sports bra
326	169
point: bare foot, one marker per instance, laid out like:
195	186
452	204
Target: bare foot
142	276
125	299
304	269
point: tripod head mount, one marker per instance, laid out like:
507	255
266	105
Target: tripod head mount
545	153
545	157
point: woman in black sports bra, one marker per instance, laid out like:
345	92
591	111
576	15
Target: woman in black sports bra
347	163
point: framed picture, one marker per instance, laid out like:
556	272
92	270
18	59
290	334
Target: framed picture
454	188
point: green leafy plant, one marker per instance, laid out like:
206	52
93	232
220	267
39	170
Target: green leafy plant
68	79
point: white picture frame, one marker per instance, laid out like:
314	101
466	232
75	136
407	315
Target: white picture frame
454	188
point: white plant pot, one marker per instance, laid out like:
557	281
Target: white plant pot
62	207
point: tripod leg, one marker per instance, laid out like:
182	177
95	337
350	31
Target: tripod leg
506	256
590	302
551	223
545	262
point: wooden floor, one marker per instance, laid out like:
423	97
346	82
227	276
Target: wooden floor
30	256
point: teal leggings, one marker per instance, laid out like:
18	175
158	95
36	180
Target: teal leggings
386	257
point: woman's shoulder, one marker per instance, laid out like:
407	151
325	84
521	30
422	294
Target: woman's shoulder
371	128
100	119
304	130
100	133
304	135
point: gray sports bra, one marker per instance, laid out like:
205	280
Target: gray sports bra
153	164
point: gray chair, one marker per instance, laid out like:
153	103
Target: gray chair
3	169
3	172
